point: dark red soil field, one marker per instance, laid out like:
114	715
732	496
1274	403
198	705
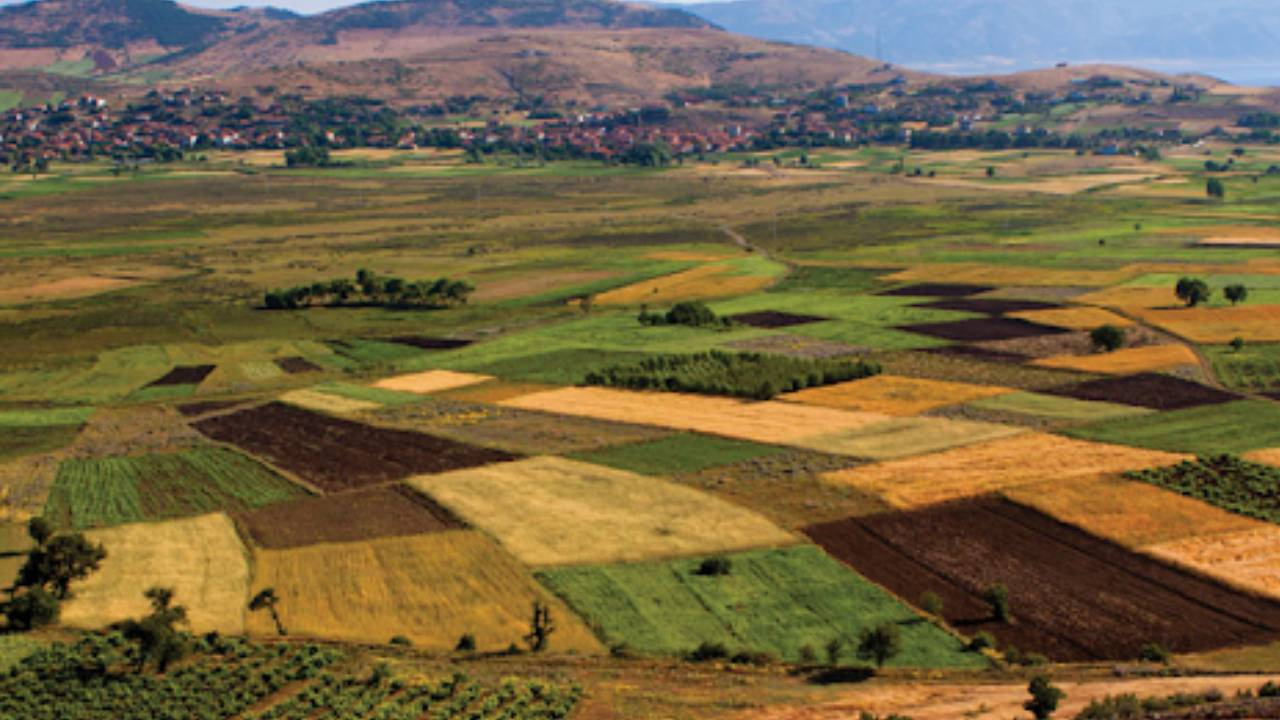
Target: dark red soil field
951	290
1149	390
201	408
774	319
296	365
184	375
429	343
979	329
1073	596
987	306
978	352
384	511
336	455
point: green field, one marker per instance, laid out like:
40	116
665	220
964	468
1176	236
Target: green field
1052	407
1235	428
683	453
116	490
776	601
1253	368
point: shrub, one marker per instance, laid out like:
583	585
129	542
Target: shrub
1044	697
997	596
982	641
1108	338
466	643
931	602
1269	689
708	651
880	644
1154	652
715	566
401	641
34	608
752	657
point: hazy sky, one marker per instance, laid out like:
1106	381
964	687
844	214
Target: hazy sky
303	6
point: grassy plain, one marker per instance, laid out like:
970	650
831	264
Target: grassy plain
1235	427
681	453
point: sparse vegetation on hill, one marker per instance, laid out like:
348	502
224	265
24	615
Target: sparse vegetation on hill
372	290
747	375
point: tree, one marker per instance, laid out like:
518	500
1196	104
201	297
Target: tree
58	562
931	602
156	635
1236	293
40	530
835	649
1215	189
266	599
1044	698
879	644
31	609
1107	337
1192	291
998	597
541	626
1237	343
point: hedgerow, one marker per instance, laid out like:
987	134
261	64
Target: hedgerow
748	375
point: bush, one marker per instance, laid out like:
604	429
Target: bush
708	651
931	602
752	657
466	643
1154	652
1108	338
982	641
1269	690
34	608
401	641
998	597
715	566
1044	697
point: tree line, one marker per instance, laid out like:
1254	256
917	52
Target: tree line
372	290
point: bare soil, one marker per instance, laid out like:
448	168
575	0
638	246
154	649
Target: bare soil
385	511
296	365
184	375
1150	390
949	290
774	319
993	328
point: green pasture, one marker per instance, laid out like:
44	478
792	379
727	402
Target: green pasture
17	441
117	490
775	601
1234	427
682	453
1252	368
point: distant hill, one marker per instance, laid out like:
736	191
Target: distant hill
989	35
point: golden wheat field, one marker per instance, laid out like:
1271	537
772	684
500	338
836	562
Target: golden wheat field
767	422
893	395
326	403
201	558
431	381
995	465
431	589
904	437
1074	318
1129	512
1130	297
706	281
553	511
1253	323
1126	360
1247	558
1270	456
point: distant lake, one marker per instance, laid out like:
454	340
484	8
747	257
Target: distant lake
1238	73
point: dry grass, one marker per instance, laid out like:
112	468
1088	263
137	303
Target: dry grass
1131	297
1254	323
63	289
201	558
893	395
706	281
996	465
983	274
1247	558
431	589
553	511
431	381
1074	318
904	437
767	422
326	403
1270	456
527	285
1126	361
1128	512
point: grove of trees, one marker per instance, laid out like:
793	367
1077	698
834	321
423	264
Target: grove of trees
372	290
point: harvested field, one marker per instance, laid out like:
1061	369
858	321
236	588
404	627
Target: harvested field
1075	342
184	375
1074	318
201	558
764	422
1270	456
1149	390
1053	573
335	454
431	589
385	511
1131	513
990	306
1248	559
195	409
517	431
706	281
893	395
939	290
968	369
430	381
553	511
797	346
1254	323
296	365
429	343
774	601
996	465
1057	409
907	436
994	328
1236	428
327	403
1132	297
1126	360
772	319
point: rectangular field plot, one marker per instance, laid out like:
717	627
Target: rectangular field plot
432	589
990	306
904	437
312	399
992	328
1058	409
1055	574
776	601
111	491
1074	318
763	422
552	511
385	511
894	395
184	375
431	381
1149	390
201	558
1254	323
1126	360
682	453
335	454
1227	482
1248	559
995	465
1236	427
